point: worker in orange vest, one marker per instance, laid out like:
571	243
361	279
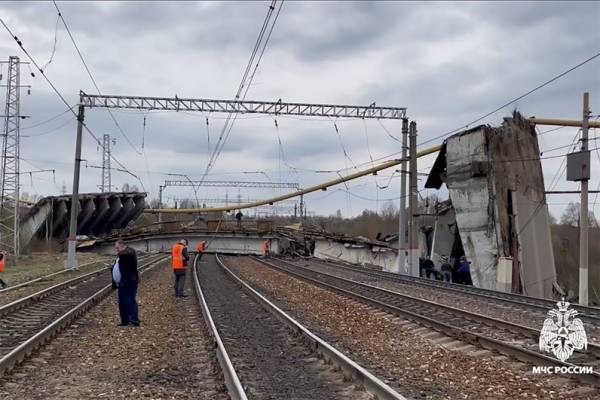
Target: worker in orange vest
180	260
3	255
201	249
265	248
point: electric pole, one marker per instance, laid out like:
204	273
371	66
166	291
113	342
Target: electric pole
584	221
9	196
72	243
413	243
402	217
106	181
160	196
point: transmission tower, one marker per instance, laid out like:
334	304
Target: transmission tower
106	185
9	181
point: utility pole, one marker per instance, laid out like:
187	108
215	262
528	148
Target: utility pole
71	260
583	218
9	213
106	181
401	216
413	243
160	192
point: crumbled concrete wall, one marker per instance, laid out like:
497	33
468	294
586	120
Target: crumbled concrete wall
490	174
362	254
471	198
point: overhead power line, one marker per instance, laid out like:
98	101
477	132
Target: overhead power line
62	98
244	83
48	120
513	100
92	78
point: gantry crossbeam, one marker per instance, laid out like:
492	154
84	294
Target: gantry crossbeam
237	184
241	107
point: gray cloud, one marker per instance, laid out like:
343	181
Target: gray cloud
447	62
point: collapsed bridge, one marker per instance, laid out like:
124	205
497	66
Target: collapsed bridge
99	214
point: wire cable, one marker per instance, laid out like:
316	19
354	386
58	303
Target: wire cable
513	100
555	180
59	94
245	82
54	46
388	132
47	120
49	131
92	78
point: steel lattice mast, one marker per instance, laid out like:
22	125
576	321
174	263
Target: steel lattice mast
106	182
9	197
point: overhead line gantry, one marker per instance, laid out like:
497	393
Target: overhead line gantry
208	106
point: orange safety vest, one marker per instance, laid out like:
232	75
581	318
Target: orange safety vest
202	246
177	254
2	265
265	246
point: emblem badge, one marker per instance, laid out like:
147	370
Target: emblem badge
562	333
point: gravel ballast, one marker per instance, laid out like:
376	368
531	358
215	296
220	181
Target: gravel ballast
271	363
394	350
533	318
168	357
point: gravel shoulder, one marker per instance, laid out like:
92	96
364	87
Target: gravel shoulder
32	266
168	357
392	350
45	264
527	317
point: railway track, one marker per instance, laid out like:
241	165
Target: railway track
29	322
510	339
265	354
590	314
23	289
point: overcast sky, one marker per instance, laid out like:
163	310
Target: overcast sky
448	63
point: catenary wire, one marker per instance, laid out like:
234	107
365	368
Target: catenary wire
58	93
513	100
89	72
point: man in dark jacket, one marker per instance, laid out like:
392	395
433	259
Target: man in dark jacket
238	218
446	270
464	271
429	268
127	285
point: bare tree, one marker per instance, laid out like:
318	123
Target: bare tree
571	216
389	210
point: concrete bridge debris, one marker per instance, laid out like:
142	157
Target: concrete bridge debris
497	194
99	214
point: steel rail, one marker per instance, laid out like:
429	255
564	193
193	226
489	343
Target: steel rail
351	369
41	278
508	349
23	350
232	381
25	301
532	332
585	312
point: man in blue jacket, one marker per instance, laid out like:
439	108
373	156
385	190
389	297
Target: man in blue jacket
464	271
127	284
